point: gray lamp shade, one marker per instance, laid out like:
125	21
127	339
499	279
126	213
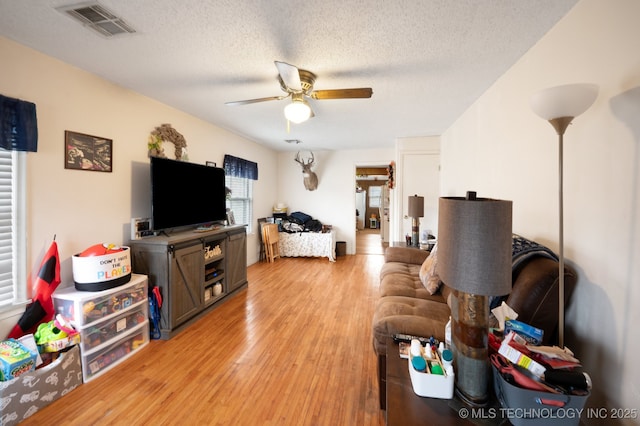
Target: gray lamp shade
474	245
416	206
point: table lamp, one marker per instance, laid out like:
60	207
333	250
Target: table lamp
474	259
416	211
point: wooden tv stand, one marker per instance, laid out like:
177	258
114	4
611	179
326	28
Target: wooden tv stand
195	271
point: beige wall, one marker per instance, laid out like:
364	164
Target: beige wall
83	208
500	148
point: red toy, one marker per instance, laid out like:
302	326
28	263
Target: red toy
100	250
41	307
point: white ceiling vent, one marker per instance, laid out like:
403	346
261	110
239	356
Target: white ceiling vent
98	18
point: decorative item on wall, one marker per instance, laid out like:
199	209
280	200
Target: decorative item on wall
154	145
166	133
86	152
310	178
390	171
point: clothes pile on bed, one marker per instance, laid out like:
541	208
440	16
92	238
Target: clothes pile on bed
300	222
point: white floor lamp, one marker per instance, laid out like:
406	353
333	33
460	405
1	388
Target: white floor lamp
559	105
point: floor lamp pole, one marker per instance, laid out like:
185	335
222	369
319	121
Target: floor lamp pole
561	243
560	124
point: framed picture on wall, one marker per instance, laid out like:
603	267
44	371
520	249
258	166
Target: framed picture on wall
87	152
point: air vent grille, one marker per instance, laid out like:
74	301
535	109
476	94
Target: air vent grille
98	18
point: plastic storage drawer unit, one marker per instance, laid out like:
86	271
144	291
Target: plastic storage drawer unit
103	358
113	323
84	308
99	333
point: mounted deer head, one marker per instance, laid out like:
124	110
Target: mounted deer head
310	178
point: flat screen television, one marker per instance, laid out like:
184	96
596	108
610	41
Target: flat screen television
186	194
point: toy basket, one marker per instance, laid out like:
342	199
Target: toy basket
529	407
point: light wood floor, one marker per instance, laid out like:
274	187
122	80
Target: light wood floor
292	349
369	241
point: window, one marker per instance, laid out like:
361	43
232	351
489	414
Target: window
375	196
241	199
239	177
12	232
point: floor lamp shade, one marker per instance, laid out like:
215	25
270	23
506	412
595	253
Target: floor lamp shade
474	245
569	100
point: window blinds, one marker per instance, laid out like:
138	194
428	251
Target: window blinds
7	227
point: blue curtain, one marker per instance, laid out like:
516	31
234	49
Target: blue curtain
18	125
239	167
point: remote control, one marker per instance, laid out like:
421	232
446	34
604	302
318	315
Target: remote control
399	337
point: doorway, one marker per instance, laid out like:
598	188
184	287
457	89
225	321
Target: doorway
372	209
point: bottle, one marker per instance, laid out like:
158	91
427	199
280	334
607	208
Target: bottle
436	368
447	361
419	364
428	352
416	348
447	334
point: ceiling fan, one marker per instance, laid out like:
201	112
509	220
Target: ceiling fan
298	84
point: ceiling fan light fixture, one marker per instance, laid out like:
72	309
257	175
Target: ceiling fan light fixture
297	111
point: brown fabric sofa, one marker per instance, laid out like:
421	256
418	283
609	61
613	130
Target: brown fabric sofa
405	305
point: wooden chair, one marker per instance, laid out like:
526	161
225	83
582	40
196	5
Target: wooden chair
265	241
271	237
261	222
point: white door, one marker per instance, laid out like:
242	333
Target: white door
427	168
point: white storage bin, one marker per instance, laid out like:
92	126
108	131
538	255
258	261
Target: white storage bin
84	308
431	385
102	332
103	358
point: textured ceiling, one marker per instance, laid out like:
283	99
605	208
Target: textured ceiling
426	60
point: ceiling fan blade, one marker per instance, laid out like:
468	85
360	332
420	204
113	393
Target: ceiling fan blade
364	92
289	75
253	101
